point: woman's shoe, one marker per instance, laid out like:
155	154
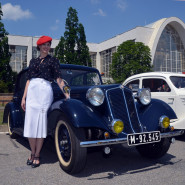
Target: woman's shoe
35	165
30	161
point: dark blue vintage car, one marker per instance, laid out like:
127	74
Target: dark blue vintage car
97	115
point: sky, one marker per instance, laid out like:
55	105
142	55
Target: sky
102	19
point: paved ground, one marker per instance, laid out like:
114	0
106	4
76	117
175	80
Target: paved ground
124	167
3	128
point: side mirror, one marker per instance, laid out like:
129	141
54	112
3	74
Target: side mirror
102	74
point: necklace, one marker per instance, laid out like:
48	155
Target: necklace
41	60
43	57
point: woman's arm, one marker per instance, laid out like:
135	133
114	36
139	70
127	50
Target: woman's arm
61	84
23	102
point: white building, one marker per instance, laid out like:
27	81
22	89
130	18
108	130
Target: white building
165	38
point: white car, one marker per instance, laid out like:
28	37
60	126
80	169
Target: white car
166	86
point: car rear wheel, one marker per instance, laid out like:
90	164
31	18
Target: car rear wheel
154	150
10	130
71	156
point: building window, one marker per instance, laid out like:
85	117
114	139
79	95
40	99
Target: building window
106	61
170	53
36	53
93	59
18	60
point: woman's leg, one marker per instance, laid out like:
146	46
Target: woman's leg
39	143
32	142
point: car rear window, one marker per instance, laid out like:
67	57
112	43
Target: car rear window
178	82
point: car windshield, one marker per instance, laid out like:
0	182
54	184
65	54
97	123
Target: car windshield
178	81
80	77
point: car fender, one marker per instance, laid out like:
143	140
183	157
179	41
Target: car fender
6	112
149	115
15	115
78	114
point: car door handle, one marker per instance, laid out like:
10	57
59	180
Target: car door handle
171	100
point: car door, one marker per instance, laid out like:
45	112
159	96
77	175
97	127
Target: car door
18	112
160	89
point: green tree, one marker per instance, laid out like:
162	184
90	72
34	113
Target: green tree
83	56
70	36
7	77
131	58
72	47
59	50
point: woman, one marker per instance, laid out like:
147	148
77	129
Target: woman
38	96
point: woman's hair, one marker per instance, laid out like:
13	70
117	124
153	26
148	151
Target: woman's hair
38	49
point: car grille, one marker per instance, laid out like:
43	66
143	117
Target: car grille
123	107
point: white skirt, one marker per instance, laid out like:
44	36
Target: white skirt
38	100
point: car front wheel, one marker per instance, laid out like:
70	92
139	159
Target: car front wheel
10	130
154	150
71	156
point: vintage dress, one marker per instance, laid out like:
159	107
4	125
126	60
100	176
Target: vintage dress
39	95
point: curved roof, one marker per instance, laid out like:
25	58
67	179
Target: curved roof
159	26
78	67
154	24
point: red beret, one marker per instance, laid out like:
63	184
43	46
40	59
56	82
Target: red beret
43	40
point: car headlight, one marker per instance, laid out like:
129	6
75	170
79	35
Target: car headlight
95	96
144	96
164	121
117	126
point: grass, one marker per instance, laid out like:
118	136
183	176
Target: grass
1	116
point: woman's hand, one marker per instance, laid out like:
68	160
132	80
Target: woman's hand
23	104
61	84
67	96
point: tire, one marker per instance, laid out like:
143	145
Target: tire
10	130
71	156
154	150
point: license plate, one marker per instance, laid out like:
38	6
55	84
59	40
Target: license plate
143	138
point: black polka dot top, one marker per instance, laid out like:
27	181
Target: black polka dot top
48	69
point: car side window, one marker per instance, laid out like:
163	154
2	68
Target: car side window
86	79
156	85
93	79
134	85
78	80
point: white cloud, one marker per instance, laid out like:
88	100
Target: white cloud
14	12
100	13
179	0
55	27
57	21
121	4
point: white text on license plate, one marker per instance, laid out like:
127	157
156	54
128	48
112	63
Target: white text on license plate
143	138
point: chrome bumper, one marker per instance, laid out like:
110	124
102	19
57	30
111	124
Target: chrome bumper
123	140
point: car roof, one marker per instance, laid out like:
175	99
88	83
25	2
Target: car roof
78	67
154	74
72	66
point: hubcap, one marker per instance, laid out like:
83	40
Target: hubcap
64	143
